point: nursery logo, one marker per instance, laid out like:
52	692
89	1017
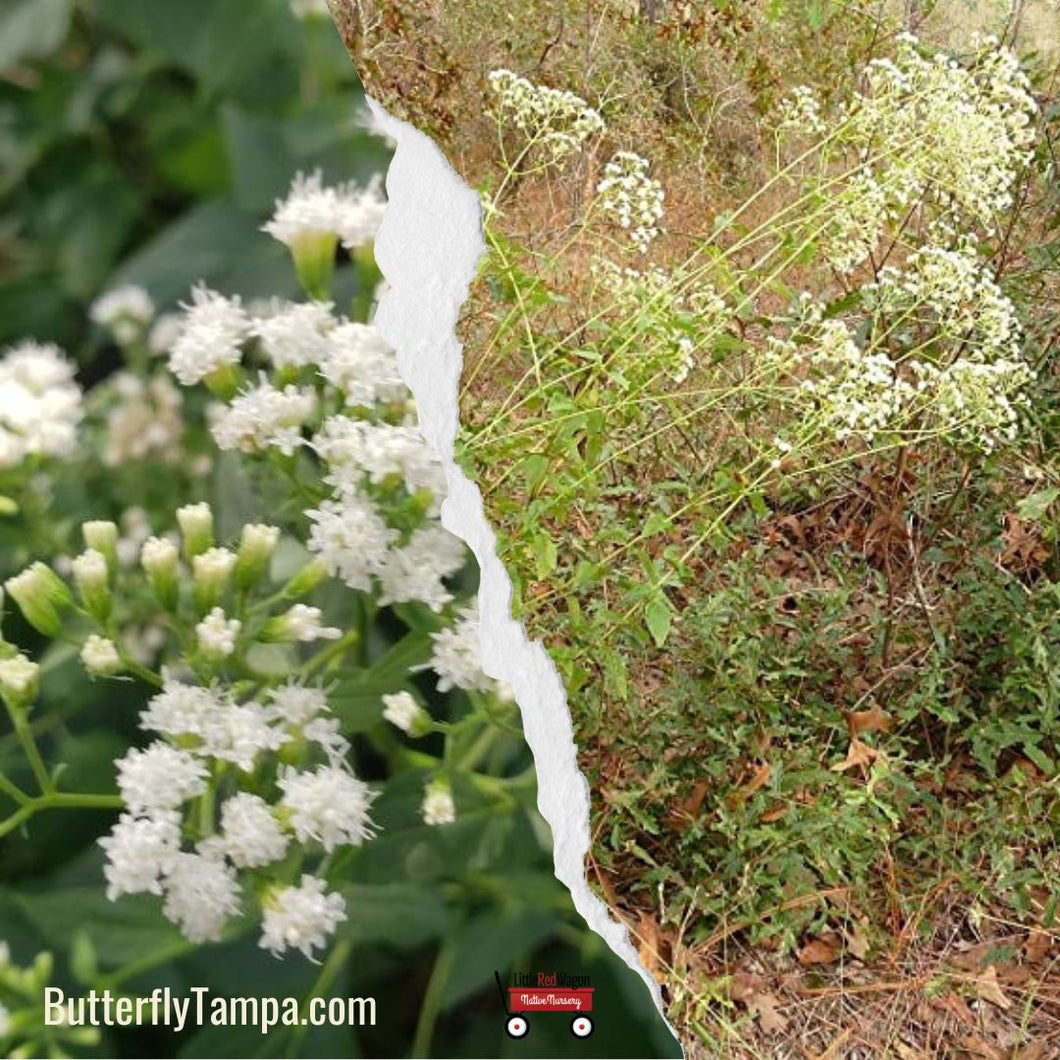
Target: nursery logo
546	992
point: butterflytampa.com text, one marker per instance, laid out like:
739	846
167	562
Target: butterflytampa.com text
164	1008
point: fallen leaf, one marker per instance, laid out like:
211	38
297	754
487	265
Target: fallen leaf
989	989
685	812
858	754
770	1018
744	985
1038	945
823	950
874	720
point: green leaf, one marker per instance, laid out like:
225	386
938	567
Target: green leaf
657	617
545	555
397	914
1035	506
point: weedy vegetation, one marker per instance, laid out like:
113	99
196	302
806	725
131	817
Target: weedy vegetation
760	390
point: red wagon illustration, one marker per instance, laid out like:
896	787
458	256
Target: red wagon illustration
527	999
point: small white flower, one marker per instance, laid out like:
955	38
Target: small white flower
301	918
264	416
303	623
402	710
125	311
159	778
351	539
363	366
202	893
216	634
40	404
211	336
251	834
297	704
140	850
100	656
438	807
329	805
313	210
456	656
295	334
19	677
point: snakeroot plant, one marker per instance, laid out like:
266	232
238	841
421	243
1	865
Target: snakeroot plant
274	720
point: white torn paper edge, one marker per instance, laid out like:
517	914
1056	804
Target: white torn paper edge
427	249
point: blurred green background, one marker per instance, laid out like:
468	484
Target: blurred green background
145	141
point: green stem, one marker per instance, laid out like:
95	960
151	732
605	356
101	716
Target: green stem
56	800
29	747
432	1001
340	954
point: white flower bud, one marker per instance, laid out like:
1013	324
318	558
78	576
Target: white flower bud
403	712
438	807
19	681
216	634
41	595
256	546
158	557
196	526
100	656
92	575
102	535
212	570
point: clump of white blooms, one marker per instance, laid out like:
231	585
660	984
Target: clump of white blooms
555	121
40	404
211	336
301	918
952	365
632	199
265	417
146	421
201	728
662	317
313	210
927	133
248	775
456	655
126	312
217	634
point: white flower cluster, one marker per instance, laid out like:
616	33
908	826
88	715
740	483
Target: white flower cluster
145	421
942	354
632	198
125	312
375	467
211	336
558	122
40	404
312	210
668	315
264	416
168	789
927	131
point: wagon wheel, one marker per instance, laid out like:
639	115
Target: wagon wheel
581	1026
516	1027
